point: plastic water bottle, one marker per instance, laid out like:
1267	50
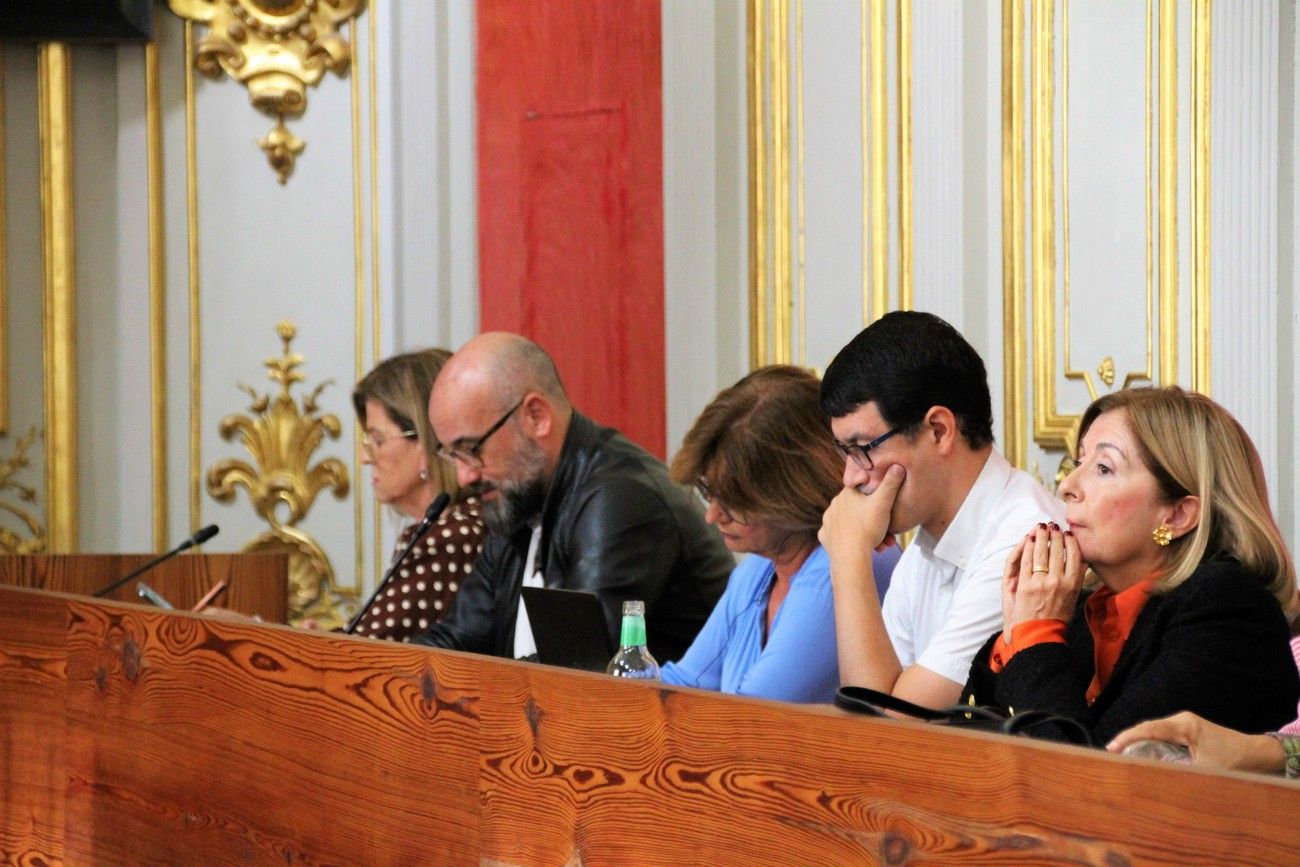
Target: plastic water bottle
633	659
1161	751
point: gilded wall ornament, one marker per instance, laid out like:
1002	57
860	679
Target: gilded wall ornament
11	542
1106	370
281	437
275	48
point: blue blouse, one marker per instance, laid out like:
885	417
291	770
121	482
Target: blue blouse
798	663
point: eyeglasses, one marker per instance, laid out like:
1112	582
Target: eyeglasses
861	454
373	442
707	496
468	453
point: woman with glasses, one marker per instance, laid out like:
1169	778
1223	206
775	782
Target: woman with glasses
763	461
399	447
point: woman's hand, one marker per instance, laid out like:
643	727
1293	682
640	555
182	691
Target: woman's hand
1011	581
1211	745
1047	582
855	523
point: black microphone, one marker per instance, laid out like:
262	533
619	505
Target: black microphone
197	539
431	514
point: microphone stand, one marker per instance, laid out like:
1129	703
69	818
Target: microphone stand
431	514
197	539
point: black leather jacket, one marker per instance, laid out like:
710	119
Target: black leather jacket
613	523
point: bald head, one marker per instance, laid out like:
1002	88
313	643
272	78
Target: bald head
504	367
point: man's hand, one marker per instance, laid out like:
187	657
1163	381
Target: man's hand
855	523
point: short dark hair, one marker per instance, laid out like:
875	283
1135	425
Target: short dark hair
907	362
764	447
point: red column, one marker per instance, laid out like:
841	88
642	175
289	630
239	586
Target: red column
570	196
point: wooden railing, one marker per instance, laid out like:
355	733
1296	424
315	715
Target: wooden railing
257	583
131	735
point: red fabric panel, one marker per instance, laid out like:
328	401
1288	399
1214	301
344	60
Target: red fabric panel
570	197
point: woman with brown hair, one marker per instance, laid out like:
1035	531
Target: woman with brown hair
398	445
763	461
1167	590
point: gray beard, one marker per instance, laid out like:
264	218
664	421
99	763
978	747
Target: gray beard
517	506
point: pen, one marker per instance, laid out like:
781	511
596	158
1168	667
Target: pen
210	596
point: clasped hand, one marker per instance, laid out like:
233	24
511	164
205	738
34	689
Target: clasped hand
1042	578
857	521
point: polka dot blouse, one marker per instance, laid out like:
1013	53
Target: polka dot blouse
422	590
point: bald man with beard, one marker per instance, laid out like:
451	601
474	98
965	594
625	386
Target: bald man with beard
567	503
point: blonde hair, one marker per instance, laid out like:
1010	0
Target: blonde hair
1194	446
401	384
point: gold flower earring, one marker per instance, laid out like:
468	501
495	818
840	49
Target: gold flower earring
1162	536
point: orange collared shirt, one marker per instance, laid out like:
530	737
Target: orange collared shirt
1110	618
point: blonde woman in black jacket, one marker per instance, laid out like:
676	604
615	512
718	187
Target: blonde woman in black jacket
1166	591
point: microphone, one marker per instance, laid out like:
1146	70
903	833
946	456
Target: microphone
198	538
431	514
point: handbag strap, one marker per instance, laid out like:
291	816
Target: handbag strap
874	703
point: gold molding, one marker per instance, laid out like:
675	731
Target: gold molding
756	60
157	296
277	51
1167	145
281	437
371	16
799	181
359	334
54	72
192	225
780	157
1013	232
905	300
4	264
879	202
1051	428
1202	22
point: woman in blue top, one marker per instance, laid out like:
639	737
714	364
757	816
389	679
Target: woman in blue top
762	458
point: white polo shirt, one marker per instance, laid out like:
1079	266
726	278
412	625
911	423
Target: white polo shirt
945	596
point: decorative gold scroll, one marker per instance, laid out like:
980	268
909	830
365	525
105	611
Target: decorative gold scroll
275	48
10	541
282	439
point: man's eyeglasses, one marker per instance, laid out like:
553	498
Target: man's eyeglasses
468	452
373	441
707	496
861	454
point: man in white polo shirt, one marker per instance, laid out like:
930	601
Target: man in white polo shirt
909	405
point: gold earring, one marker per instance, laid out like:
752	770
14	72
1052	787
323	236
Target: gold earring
1162	536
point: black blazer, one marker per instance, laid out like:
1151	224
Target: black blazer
1217	645
613	523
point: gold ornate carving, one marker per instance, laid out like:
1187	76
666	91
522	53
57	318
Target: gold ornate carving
11	542
275	48
282	439
1106	370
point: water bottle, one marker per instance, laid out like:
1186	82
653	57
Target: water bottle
1162	751
633	659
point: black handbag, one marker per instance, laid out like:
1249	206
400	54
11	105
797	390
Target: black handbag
1033	723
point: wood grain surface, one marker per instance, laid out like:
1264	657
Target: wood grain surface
258	583
137	736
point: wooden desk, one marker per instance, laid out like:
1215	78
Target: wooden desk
258	583
131	735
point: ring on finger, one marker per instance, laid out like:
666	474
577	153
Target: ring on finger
1038	567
